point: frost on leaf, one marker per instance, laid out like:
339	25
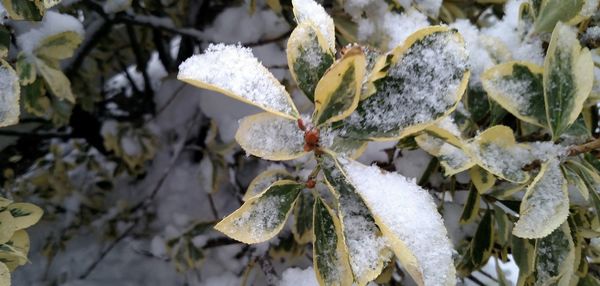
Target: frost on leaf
303	218
452	157
235	72
568	78
497	151
338	141
311	11
330	258
518	88
423	82
271	137
555	257
262	217
408	219
261	182
10	92
545	205
309	56
367	248
338	92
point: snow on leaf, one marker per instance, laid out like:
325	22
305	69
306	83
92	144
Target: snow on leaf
262	217
454	159
10	93
261	182
568	78
55	37
235	72
555	257
408	219
271	137
545	205
298	277
338	91
330	257
58	46
424	81
336	140
497	151
311	11
309	56
367	248
518	88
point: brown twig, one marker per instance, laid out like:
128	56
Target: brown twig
584	148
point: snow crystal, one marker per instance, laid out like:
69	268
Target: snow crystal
410	214
589	8
592	34
479	58
544	207
519	91
9	101
454	157
235	70
298	277
421	86
309	10
271	135
53	23
263	216
449	125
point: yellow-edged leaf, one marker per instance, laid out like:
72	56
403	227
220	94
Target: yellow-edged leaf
4	275
482	179
555	257
311	11
55	79
58	46
303	218
309	56
10	92
262	217
7	226
518	88
568	78
19	248
25	69
261	182
270	137
417	84
233	71
25	214
545	205
330	257
338	91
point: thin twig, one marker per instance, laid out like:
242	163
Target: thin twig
584	148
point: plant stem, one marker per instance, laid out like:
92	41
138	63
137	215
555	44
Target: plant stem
584	148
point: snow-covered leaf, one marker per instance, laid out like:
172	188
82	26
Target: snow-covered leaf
367	249
261	182
424	81
24	10
518	88
303	218
482	179
408	219
311	11
262	217
309	56
25	214
497	151
338	91
55	37
10	93
58	46
568	78
545	205
554	11
555	257
233	71
55	79
452	157
271	137
337	141
330	257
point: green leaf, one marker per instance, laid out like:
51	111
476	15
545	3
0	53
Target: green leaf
504	226
309	56
58	46
55	79
330	257
568	78
482	243
24	9
25	69
303	211
545	205
555	11
262	217
555	255
471	208
482	179
575	180
523	250
265	179
417	84
518	88
4	41
408	219
335	140
270	137
10	92
338	92
233	71
367	249
589	280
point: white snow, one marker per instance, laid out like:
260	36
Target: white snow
234	69
298	277
9	96
53	23
479	57
309	10
114	6
410	214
